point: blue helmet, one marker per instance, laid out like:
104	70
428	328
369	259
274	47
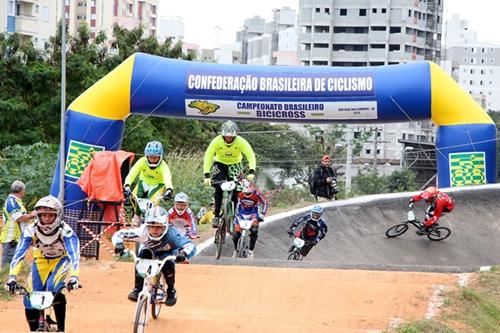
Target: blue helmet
153	148
316	212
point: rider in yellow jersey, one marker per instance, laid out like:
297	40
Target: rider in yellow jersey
223	158
153	173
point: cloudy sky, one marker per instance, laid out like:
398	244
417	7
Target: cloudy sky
208	23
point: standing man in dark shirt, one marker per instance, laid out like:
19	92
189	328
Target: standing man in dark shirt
324	180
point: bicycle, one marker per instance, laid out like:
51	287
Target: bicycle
225	225
42	300
245	222
294	251
435	233
153	293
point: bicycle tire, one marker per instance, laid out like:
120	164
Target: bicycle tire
242	245
291	256
140	315
396	230
156	304
439	233
220	236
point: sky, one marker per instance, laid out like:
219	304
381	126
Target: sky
211	23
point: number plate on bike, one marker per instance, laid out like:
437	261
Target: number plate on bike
298	242
41	300
228	186
148	267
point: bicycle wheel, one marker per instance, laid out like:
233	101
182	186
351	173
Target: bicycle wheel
219	240
158	297
291	255
141	312
439	233
396	230
242	245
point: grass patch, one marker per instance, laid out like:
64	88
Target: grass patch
475	308
21	278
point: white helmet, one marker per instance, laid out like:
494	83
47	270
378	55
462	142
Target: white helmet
48	204
181	198
229	128
156	216
247	189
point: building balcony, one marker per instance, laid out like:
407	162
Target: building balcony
320	53
27	25
350	55
346	38
377	54
378	36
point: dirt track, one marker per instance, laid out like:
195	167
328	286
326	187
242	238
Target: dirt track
248	299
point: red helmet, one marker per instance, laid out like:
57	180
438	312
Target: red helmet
429	193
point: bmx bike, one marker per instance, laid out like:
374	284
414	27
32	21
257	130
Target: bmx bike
435	233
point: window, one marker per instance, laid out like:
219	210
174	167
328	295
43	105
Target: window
362	12
471	82
377	46
305	28
409	13
374	10
378	28
384	10
320	45
395	30
327	11
472	71
343	12
318	10
394	47
45	14
378	151
368	151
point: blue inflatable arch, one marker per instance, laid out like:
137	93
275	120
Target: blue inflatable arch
155	86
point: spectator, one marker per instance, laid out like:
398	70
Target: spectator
324	180
15	217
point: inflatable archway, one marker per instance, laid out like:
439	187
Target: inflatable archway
155	86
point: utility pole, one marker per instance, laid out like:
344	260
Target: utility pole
62	144
375	140
348	162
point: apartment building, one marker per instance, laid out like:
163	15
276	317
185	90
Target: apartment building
369	32
475	66
270	43
103	14
373	33
32	20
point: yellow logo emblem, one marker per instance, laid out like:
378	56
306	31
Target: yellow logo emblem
205	107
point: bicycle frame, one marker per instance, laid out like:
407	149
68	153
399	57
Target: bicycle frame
298	243
41	300
150	270
245	223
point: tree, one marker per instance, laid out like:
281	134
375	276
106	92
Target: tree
401	181
368	181
34	165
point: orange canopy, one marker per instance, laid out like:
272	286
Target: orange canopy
102	179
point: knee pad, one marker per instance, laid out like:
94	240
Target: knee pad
254	231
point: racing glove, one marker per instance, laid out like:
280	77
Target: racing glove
411	204
73	283
119	249
206	180
251	175
127	192
168	194
10	285
181	256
